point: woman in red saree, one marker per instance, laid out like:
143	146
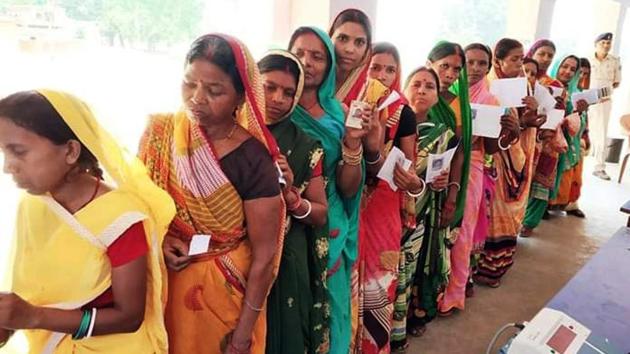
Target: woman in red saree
380	219
351	32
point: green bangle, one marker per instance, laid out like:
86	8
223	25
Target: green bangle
84	326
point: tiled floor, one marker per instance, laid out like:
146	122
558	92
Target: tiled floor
543	264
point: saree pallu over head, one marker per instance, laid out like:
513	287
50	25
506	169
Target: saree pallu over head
297	316
571	157
515	162
343	213
352	87
444	113
182	160
61	259
395	109
379	244
291	140
206	297
329	131
537	45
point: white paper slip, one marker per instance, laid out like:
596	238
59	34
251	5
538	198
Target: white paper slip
557	91
544	98
281	178
355	114
486	120
554	119
386	173
438	163
510	92
590	96
393	97
199	245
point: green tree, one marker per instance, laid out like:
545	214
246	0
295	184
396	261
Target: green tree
468	21
138	23
150	22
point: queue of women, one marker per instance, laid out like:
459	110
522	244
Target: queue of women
253	220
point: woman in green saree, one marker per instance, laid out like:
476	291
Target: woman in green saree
320	115
296	320
423	252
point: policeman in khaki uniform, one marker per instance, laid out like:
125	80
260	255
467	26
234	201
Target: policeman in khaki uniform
605	72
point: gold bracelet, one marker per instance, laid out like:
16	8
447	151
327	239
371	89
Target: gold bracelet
354	153
352	158
252	307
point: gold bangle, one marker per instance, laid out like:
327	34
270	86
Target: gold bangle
352	158
252	307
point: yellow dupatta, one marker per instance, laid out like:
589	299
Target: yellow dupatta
60	258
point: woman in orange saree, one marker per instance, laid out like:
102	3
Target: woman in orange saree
215	157
514	169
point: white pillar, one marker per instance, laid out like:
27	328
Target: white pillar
291	14
544	19
619	31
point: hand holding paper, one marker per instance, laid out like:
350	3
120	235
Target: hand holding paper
486	120
510	92
355	114
438	163
554	119
393	97
543	97
199	245
395	156
557	91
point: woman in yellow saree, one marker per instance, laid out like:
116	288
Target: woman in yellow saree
215	157
87	270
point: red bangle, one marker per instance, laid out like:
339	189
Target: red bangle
298	200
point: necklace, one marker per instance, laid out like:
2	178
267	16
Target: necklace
229	136
226	137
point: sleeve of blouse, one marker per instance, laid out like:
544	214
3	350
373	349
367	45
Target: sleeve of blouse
131	245
318	171
261	177
407	125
